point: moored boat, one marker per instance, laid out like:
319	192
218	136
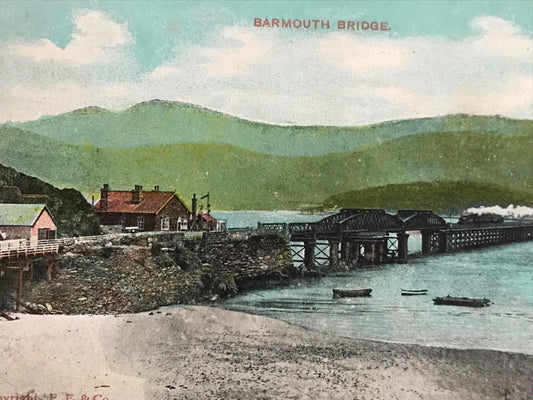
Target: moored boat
351	293
414	292
461	301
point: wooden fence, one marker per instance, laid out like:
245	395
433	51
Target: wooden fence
25	248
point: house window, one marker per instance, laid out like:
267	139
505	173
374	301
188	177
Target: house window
165	223
44	233
140	222
183	224
122	221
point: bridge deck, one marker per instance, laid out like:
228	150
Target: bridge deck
385	236
29	250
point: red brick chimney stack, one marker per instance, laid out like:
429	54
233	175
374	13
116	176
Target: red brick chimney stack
136	194
104	197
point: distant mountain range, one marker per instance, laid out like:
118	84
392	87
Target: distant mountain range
159	122
248	165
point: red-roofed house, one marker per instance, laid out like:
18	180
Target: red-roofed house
210	223
142	210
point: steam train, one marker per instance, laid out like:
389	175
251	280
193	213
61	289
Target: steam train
487	218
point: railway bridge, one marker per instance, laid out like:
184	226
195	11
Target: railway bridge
375	236
17	260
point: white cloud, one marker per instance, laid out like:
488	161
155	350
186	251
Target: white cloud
501	37
62	97
94	40
277	76
515	93
248	51
350	80
235	53
365	55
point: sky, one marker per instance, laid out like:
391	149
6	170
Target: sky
431	58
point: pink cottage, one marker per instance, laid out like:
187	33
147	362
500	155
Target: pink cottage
26	221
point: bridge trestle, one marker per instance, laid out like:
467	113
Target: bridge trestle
374	236
17	267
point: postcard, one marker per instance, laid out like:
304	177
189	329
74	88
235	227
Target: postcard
266	200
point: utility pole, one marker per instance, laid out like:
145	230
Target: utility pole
208	204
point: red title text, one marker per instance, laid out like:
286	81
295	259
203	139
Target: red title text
321	24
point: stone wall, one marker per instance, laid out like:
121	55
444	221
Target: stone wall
141	272
252	259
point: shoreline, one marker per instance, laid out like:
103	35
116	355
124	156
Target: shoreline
198	352
318	331
392	342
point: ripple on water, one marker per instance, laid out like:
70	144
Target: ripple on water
502	273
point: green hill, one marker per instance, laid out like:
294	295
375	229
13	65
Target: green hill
242	179
159	123
441	197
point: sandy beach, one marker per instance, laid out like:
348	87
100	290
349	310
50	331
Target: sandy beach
210	353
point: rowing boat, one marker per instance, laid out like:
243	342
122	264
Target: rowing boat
351	293
461	301
414	292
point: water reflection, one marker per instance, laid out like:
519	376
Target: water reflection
386	315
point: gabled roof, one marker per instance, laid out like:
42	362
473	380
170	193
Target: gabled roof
21	214
121	202
208	218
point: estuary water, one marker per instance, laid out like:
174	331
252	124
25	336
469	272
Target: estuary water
503	274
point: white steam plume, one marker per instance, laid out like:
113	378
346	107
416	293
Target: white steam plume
510	212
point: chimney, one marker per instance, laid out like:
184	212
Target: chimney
156	188
136	194
194	204
104	197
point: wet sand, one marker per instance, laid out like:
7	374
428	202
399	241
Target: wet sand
210	353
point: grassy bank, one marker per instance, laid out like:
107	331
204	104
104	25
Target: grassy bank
441	197
240	179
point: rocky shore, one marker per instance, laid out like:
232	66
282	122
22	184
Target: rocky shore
143	351
195	353
139	273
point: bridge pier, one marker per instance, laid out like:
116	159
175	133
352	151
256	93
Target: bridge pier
380	251
349	251
372	252
375	249
309	253
345	250
402	247
333	253
354	253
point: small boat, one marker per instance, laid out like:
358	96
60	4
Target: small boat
414	292
461	301
351	293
